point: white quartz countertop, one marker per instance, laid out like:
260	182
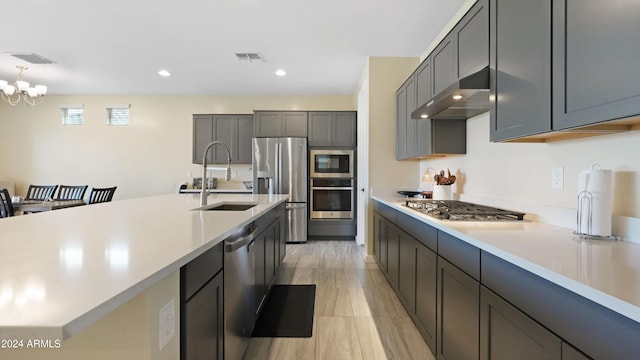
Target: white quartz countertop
62	270
606	272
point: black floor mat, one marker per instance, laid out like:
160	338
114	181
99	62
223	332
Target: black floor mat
287	312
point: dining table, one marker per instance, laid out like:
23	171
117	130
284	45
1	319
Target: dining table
33	206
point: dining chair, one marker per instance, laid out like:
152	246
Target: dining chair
71	192
6	208
40	192
100	195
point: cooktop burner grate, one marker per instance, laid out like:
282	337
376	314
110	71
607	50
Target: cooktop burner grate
461	211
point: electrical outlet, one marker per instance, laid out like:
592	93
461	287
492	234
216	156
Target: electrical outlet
557	178
167	323
234	174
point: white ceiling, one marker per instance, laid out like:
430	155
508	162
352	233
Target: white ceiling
118	46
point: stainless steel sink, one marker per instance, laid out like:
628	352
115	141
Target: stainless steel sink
227	207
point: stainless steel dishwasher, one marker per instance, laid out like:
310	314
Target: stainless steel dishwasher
239	283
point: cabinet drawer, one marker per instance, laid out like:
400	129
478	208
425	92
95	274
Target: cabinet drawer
427	235
195	274
386	211
599	332
464	256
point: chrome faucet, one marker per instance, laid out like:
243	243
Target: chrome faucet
205	181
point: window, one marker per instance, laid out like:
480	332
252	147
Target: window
118	114
72	114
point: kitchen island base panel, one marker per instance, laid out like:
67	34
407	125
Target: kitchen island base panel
130	332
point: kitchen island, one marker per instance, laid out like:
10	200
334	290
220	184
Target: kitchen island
584	293
90	281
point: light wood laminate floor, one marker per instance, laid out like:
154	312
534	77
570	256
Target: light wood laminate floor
357	314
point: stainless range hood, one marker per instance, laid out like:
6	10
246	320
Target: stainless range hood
466	98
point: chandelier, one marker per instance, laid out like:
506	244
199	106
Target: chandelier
20	91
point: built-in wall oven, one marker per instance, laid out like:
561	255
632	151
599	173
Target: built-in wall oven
331	163
332	198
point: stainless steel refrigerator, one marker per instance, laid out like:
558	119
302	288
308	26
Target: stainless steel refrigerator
280	167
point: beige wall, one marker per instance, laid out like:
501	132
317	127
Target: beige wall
150	156
130	332
384	75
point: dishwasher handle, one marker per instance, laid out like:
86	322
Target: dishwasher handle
247	235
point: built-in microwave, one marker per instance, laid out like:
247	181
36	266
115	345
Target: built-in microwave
331	163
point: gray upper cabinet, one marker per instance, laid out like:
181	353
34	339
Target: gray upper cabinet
424	85
234	130
405	125
202	135
595	61
444	64
472	34
332	128
280	124
416	138
465	50
424	93
244	136
520	64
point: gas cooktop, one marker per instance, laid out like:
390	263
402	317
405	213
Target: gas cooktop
461	211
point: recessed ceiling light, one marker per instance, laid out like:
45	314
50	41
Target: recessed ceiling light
281	72
424	116
164	73
457	97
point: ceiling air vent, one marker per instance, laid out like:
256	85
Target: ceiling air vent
32	58
249	57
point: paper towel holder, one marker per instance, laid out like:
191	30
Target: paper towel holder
585	199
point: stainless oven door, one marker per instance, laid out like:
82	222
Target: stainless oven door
331	203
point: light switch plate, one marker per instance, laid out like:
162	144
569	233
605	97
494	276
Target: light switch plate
557	178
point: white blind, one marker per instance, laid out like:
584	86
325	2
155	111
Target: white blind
72	115
117	116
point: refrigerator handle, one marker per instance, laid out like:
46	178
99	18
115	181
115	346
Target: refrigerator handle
279	177
291	206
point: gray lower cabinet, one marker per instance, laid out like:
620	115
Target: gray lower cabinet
426	271
234	130
266	264
332	128
407	271
202	306
595	69
458	314
571	353
520	64
596	331
393	254
280	124
281	238
468	304
508	333
380	240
